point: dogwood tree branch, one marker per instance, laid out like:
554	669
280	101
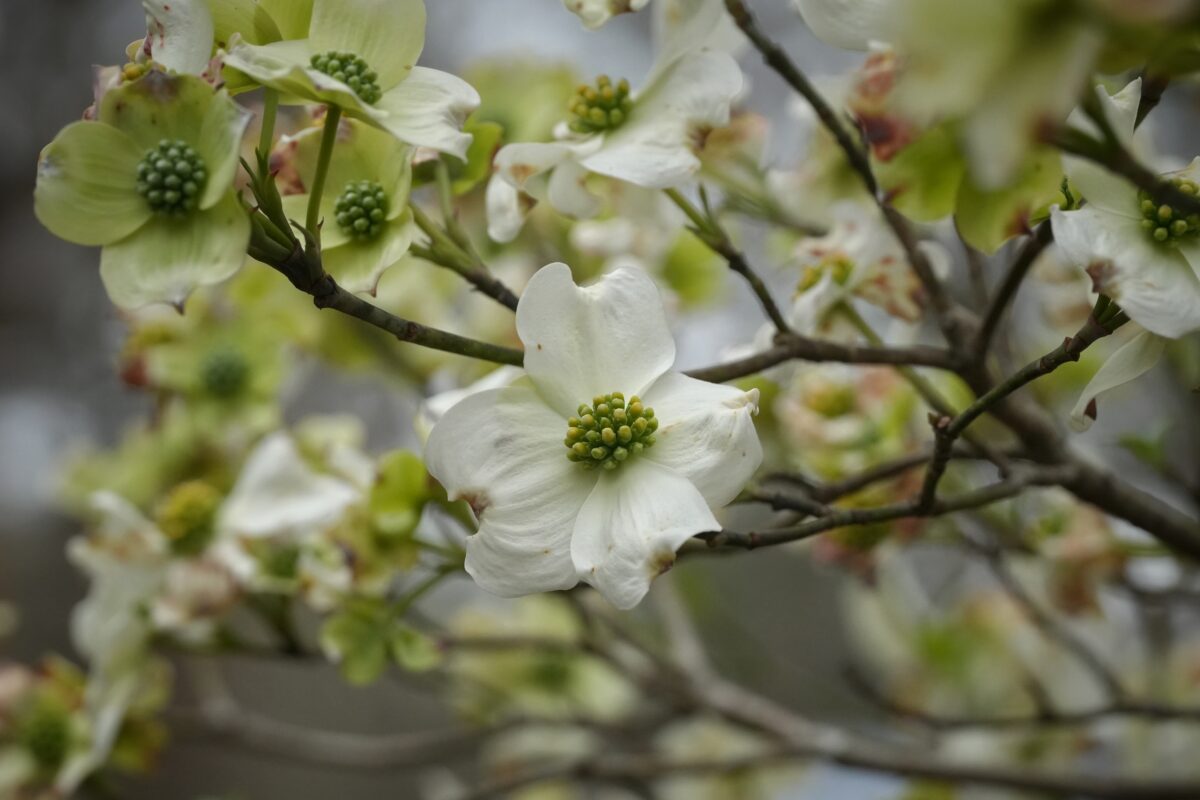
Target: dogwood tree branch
950	318
794	347
445	251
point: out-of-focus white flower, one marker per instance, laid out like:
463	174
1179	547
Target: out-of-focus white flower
1143	255
851	24
595	13
648	454
859	257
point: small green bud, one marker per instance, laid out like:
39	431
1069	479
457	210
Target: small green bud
1163	223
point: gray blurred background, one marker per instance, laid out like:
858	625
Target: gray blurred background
58	390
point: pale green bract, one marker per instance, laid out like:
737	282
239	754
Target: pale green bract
87	189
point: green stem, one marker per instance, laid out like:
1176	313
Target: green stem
267	136
333	116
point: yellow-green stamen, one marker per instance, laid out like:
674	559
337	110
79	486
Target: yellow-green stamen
171	178
352	71
1165	224
610	431
603	107
187	517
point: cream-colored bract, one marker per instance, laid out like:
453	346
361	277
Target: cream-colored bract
546	523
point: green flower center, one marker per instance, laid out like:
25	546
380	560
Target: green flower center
362	209
609	432
838	265
224	374
352	71
602	107
187	517
171	177
46	736
1165	224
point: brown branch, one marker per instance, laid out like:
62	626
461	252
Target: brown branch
1042	236
1018	482
794	347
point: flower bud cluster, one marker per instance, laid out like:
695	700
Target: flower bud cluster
609	432
171	177
361	209
603	107
1166	224
352	71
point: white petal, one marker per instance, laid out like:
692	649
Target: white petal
1152	283
435	407
502	451
632	524
1100	187
505	210
685	26
656	147
850	24
179	34
581	342
428	109
278	494
706	434
568	192
520	164
1135	358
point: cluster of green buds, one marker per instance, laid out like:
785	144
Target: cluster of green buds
1164	223
188	517
838	265
361	209
352	71
224	373
609	431
171	177
45	734
602	107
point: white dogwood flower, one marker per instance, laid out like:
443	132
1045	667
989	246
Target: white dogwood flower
649	138
1142	254
601	462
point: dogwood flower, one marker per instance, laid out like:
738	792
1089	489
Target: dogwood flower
151	181
1144	255
360	56
368	225
859	257
602	462
648	138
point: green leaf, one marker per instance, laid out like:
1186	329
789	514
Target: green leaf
399	494
360	639
988	219
87	185
415	651
923	179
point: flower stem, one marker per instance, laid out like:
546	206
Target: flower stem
266	136
333	116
